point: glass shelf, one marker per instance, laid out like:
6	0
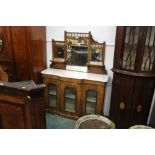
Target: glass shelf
52	92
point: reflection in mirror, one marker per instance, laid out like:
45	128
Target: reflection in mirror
96	53
77	48
77	55
58	49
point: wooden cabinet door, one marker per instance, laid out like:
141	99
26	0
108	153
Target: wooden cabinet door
52	93
93	99
142	98
121	99
71	98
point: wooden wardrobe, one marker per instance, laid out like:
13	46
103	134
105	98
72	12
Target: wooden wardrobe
23	54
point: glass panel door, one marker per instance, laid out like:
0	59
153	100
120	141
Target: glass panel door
70	99
91	100
130	47
148	63
52	95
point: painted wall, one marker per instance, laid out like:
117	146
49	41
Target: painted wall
100	34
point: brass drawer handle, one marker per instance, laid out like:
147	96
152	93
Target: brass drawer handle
139	108
122	105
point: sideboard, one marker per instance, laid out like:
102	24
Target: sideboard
73	94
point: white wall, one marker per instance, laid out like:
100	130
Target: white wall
100	34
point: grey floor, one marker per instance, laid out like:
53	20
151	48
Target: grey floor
57	122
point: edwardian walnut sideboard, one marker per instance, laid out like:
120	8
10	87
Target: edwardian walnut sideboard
74	94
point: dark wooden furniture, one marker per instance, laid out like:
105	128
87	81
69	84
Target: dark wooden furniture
23	54
22	105
134	75
79	49
74	94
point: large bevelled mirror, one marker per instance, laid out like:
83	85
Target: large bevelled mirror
77	48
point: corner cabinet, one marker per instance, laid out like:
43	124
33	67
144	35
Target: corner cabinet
73	94
134	75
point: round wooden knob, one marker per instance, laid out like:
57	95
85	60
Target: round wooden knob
139	108
122	105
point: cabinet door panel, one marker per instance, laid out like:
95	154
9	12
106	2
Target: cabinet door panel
93	98
121	99
142	98
22	59
52	94
130	47
71	98
148	59
91	101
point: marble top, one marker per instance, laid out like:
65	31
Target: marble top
75	74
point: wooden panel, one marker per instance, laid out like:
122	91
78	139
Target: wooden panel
29	46
6	55
22	105
37	50
12	116
142	98
22	58
122	90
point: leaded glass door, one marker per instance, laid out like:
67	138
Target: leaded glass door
129	51
148	59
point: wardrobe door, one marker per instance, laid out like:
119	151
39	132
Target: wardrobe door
6	52
20	48
121	99
36	42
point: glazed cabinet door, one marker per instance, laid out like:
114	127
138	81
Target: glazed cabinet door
70	98
52	94
147	63
93	99
121	99
128	49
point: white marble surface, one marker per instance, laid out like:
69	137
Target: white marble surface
75	74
